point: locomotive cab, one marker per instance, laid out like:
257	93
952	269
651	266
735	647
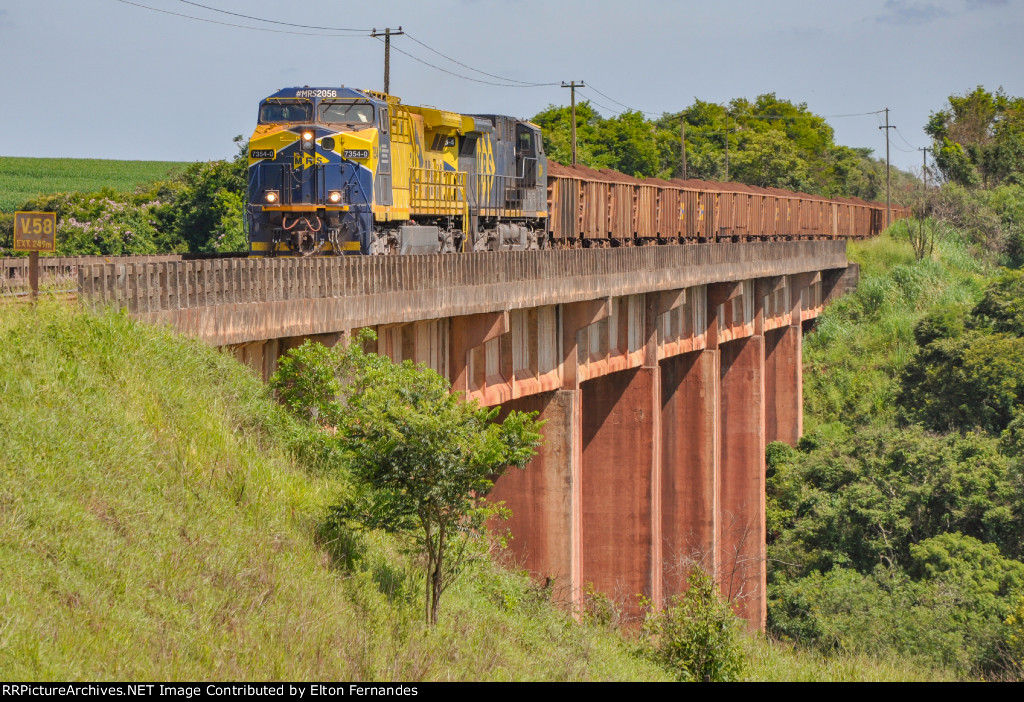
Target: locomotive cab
313	159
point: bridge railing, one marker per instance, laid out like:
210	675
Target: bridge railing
59	273
154	286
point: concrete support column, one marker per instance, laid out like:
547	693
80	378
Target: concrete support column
784	398
741	534
621	507
689	465
545	497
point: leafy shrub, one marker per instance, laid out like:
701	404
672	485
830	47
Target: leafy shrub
947	608
306	382
697	636
1015	638
973	380
1002	307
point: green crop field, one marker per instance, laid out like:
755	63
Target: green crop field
24	178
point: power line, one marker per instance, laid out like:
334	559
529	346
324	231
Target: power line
459	75
631	109
612	110
524	83
229	24
349	29
900	134
857	114
260	19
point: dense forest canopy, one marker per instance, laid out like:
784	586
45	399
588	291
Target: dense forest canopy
896	526
772	142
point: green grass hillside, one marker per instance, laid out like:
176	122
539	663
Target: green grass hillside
22	179
155	524
152	525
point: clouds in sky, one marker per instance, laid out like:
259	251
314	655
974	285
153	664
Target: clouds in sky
920	12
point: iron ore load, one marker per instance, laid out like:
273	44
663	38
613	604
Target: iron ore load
341	171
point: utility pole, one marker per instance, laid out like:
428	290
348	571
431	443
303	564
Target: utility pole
924	167
573	85
727	146
387	34
888	205
682	140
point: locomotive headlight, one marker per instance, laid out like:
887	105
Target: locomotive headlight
307	138
334	196
271	196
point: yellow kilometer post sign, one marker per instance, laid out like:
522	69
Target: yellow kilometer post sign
35	232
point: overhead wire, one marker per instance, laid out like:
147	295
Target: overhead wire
260	19
453	73
590	99
524	83
898	132
506	81
621	104
229	24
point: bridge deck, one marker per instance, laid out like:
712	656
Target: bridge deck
238	300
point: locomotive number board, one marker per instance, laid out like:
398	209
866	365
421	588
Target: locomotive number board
35	231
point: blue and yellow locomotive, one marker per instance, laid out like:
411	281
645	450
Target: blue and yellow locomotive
344	171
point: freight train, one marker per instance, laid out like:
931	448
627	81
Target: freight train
341	171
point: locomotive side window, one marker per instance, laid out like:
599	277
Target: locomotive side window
468	147
345	113
525	143
281	112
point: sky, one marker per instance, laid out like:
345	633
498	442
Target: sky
113	79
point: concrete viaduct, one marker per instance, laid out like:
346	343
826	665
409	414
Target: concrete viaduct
662	372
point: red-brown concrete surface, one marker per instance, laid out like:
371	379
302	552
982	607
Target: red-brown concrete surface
741	488
783	384
544	496
621	516
689	417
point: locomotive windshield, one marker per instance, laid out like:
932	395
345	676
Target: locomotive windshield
278	112
345	113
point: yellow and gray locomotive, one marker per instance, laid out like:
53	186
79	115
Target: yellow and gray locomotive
344	171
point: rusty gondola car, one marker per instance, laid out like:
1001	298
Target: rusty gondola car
589	208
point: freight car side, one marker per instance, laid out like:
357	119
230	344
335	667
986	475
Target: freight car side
591	208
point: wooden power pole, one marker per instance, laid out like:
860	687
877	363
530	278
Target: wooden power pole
387	34
682	140
572	92
888	205
727	146
924	168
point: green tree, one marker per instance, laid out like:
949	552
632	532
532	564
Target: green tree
556	130
697	636
424	460
1002	307
627	143
208	202
979	138
306	382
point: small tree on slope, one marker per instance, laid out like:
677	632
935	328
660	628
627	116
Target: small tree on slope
424	460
